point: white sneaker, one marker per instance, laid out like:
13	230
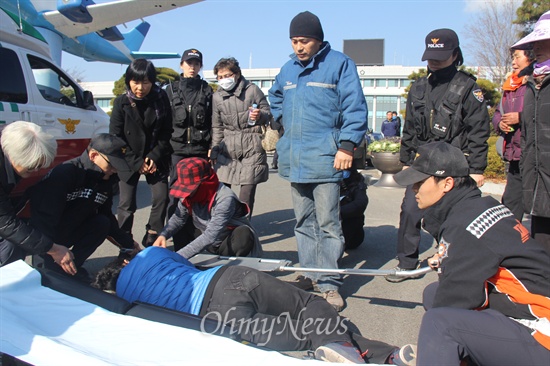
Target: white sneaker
341	352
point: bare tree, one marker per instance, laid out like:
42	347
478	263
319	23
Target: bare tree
490	33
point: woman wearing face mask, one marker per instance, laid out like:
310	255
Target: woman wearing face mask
142	117
237	152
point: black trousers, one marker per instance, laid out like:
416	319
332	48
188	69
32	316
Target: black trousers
268	312
127	204
408	234
239	243
82	241
512	196
487	337
540	231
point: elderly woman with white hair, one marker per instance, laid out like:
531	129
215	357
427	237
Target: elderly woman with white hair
24	148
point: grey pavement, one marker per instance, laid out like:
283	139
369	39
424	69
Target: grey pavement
381	310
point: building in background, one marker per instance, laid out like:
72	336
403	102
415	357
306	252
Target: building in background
102	91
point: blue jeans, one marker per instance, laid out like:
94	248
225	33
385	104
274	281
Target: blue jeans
318	230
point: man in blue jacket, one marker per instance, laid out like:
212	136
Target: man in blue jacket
318	99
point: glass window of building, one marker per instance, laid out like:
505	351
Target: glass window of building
368	83
393	83
103	103
370	106
266	83
257	82
381	83
370	103
405	83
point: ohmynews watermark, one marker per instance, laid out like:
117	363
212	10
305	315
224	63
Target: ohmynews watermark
268	326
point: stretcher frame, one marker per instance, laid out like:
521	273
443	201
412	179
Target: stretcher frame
273	265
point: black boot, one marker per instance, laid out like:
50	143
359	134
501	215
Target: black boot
149	238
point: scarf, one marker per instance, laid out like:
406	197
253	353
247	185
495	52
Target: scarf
540	72
204	195
513	82
542	69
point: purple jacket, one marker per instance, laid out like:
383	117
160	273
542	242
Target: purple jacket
512	101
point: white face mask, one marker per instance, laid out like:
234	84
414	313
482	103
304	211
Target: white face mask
227	83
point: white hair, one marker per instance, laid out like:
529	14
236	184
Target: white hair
27	145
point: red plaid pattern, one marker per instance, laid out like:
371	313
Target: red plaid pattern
191	172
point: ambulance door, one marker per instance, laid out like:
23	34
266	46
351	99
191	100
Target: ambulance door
62	110
15	101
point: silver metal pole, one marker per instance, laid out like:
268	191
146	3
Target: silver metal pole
361	272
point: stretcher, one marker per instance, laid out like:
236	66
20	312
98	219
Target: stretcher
273	265
50	320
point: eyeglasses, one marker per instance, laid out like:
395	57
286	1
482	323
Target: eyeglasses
105	158
225	76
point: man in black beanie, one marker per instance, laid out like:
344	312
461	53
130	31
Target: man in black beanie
318	99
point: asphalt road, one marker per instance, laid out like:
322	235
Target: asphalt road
381	310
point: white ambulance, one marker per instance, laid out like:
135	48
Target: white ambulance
33	89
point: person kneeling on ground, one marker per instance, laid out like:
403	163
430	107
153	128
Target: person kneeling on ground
72	204
25	148
216	211
258	307
353	203
492	304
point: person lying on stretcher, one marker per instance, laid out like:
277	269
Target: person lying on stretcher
257	307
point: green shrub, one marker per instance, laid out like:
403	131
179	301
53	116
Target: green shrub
387	144
495	164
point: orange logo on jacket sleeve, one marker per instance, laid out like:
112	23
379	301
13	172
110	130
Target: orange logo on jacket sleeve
523	232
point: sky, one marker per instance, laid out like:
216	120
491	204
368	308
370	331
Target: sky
255	32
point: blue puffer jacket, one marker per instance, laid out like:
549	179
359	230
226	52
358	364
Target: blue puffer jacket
322	108
161	277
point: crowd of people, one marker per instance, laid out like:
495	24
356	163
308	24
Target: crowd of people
193	145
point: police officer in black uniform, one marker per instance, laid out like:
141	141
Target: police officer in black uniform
191	100
446	105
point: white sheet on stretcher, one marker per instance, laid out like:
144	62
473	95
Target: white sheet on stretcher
45	327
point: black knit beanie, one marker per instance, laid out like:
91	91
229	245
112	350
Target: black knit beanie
306	24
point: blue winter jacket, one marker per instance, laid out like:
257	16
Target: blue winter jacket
389	128
322	108
161	277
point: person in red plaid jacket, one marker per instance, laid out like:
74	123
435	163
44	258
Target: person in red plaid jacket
215	210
